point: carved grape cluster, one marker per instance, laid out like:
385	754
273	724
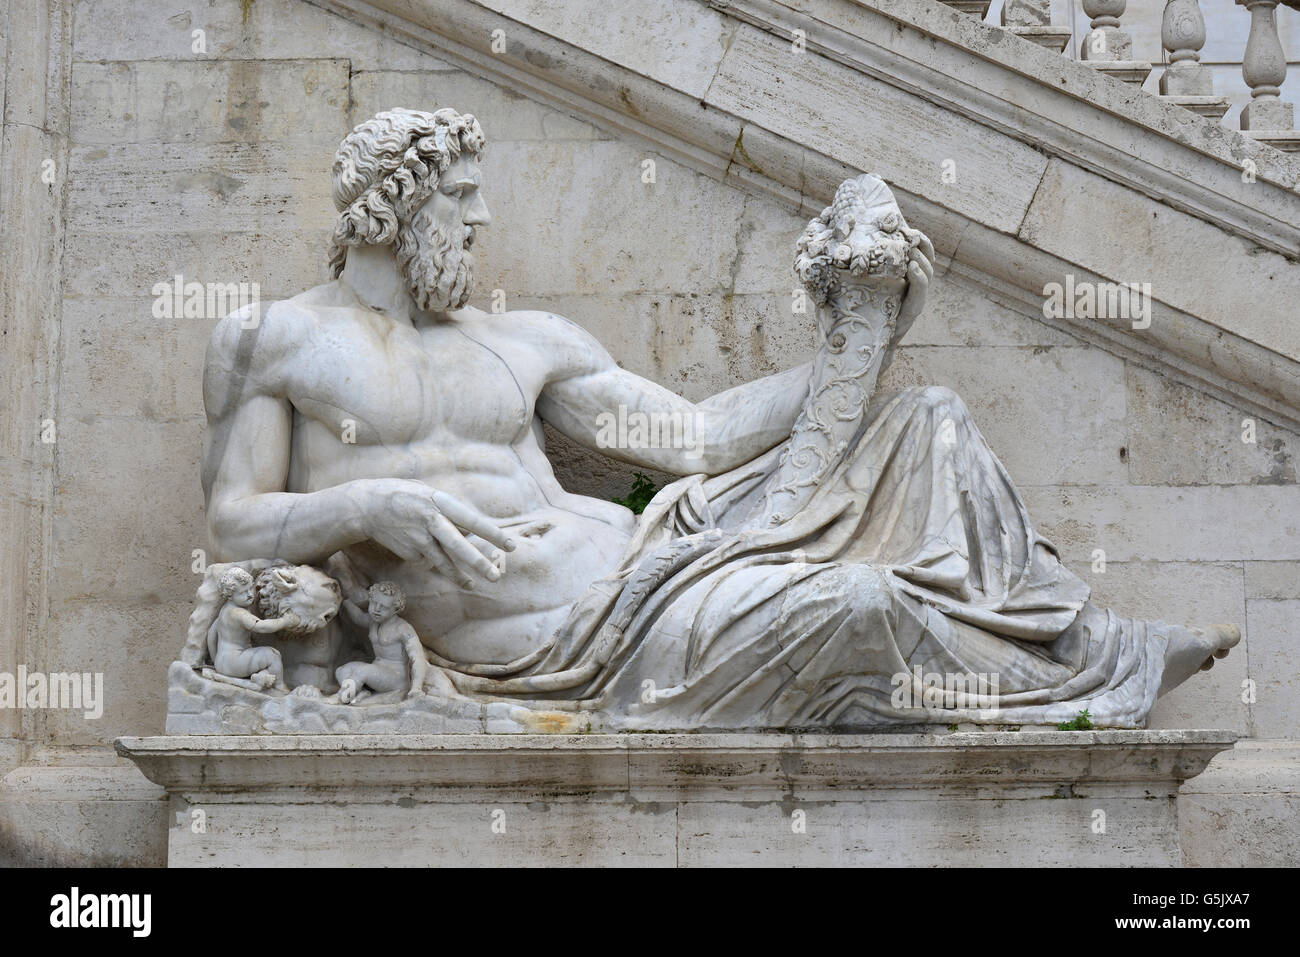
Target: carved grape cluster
861	234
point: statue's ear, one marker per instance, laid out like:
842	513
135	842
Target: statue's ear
285	580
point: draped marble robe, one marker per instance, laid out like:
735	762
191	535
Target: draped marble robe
915	554
881	544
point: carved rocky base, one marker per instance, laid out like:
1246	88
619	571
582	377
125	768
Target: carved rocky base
1000	798
197	704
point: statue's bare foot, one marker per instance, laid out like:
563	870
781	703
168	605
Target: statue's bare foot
1194	649
263	678
347	692
307	691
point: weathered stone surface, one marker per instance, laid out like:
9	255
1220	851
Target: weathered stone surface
81	817
1179	436
95	636
928	800
535	185
210	101
1264	283
1213	523
118	360
1274	653
764	78
143	545
961	313
1067	433
696	344
1242	810
506	115
1268	114
33	175
279	261
674	44
178	187
109	30
1273	580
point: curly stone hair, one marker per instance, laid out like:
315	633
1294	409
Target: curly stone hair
393	591
387	167
233	580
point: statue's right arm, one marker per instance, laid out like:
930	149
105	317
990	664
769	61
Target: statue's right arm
267	626
246	453
246	458
354	613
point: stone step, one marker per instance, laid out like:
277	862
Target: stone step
1053	37
1288	141
1130	71
1212	107
978	9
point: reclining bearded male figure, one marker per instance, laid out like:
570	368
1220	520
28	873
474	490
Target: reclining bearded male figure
823	541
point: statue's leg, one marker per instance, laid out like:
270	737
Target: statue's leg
976	524
383	677
1195	649
762	646
266	661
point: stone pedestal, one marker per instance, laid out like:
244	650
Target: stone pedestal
965	798
1032	19
1268	113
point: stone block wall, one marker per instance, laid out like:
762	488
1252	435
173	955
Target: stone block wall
215	166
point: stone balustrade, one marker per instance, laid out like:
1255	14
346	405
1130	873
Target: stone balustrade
1267	118
1185	82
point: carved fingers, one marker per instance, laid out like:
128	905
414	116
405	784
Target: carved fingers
440	562
472	520
418	523
920	270
463	555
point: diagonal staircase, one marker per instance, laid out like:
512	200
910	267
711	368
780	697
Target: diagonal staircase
1185	82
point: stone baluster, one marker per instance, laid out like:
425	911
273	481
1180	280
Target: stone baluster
1032	19
1185	81
1266	117
1108	48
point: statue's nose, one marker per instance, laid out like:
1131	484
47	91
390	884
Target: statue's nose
477	214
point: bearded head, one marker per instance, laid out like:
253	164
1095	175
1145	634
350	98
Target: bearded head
385	174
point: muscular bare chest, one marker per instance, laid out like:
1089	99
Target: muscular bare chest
374	382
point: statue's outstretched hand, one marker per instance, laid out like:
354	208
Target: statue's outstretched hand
920	270
420	523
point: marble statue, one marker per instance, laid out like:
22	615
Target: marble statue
230	640
826	545
399	663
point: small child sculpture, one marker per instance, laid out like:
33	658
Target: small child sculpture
230	642
399	663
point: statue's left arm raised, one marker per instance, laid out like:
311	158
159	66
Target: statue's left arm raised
595	402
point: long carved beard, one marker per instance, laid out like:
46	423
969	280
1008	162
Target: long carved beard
437	266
